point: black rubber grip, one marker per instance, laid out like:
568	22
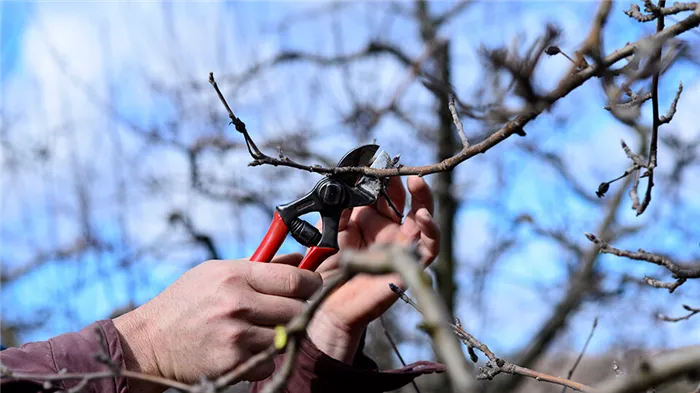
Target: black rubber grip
305	233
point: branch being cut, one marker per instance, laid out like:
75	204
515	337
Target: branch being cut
515	126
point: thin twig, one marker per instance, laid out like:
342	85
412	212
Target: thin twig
583	350
497	365
672	109
458	122
655	370
6	373
396	349
679	272
692	310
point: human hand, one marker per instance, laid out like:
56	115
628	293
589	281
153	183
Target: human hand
338	325
215	316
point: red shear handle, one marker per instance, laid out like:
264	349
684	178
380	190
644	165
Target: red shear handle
272	241
315	256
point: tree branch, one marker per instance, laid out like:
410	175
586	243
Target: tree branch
654	371
692	312
679	272
496	365
635	11
515	126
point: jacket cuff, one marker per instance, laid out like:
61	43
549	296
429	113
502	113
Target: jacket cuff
315	371
75	352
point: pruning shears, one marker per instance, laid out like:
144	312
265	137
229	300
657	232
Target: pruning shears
330	196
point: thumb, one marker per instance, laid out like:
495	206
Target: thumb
287	259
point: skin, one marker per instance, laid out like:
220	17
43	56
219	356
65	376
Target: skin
339	323
219	313
215	316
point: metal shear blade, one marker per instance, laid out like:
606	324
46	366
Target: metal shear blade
360	156
375	186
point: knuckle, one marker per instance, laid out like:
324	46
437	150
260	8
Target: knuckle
288	279
239	307
238	335
293	282
233	276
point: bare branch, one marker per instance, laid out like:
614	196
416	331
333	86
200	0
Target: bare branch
656	370
679	272
692	311
452	12
583	350
395	348
672	110
496	365
636	101
458	122
85	378
515	126
671	286
656	121
636	13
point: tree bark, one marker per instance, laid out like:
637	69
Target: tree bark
447	204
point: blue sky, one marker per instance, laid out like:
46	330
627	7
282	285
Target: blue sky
139	39
13	17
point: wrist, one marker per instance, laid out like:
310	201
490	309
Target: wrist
135	340
334	338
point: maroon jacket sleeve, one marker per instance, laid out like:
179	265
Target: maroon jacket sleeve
72	352
315	371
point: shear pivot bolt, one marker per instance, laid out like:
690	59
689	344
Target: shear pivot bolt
332	194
